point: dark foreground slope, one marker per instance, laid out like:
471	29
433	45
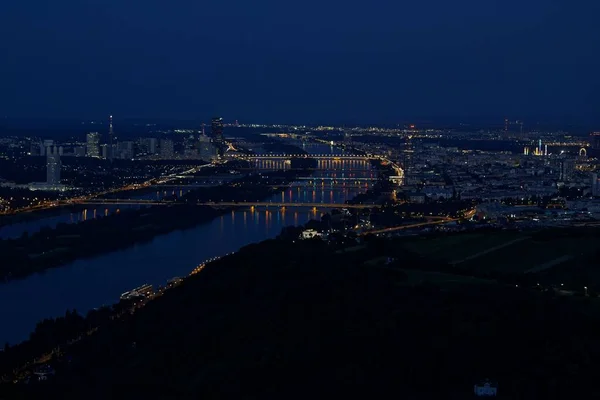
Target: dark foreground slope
284	320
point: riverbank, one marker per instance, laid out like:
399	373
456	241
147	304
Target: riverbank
13	219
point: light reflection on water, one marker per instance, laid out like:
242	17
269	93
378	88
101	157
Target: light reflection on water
89	283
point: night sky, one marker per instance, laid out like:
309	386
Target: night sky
304	61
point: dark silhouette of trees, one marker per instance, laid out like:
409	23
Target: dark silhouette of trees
249	322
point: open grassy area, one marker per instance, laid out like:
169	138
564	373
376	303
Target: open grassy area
416	277
458	246
535	252
527	254
579	272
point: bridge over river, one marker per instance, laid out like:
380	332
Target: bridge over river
317	156
324	161
136	202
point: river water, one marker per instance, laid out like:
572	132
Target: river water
15	230
96	281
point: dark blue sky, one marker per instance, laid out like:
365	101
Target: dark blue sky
304	61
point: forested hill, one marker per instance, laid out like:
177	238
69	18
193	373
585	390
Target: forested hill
290	320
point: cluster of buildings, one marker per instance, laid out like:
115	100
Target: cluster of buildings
445	172
552	168
195	146
53	154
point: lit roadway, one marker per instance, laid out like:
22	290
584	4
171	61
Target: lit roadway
135	186
439	220
443	220
154	181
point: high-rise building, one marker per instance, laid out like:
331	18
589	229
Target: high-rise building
217	129
566	169
53	166
147	145
93	144
79	151
595	140
167	150
595	185
189	142
207	150
190	154
44	146
152	145
104	150
125	150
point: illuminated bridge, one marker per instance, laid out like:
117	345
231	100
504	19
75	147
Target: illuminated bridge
301	178
222	203
307	185
289	156
252	205
330	178
324	161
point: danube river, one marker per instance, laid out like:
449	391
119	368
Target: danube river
96	281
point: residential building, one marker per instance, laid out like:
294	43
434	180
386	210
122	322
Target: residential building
93	144
167	151
53	166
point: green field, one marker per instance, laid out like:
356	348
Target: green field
415	277
511	252
527	254
457	247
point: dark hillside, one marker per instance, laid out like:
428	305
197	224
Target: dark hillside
283	320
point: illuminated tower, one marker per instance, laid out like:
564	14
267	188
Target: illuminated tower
505	126
407	164
111	138
217	135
